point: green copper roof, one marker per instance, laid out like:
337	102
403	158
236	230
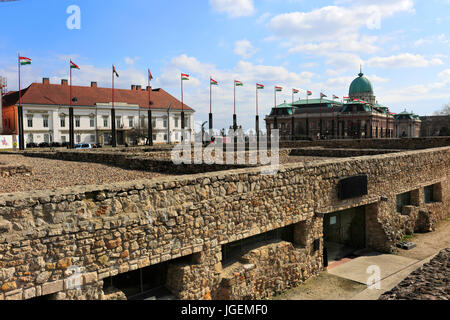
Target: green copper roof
361	85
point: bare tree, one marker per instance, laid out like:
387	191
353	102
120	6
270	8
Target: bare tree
445	111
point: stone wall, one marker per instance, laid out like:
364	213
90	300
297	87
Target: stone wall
11	170
407	143
338	152
101	231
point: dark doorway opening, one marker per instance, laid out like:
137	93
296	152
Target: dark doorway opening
344	233
142	284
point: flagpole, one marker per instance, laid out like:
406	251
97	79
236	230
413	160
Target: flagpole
293	116
149	114
234	114
20	114
182	113
307	114
71	135
210	109
113	115
275	121
321	115
257	120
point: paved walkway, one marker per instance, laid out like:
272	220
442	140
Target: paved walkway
392	270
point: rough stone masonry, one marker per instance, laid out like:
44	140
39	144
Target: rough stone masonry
103	231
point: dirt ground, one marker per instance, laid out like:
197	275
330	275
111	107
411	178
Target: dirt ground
429	244
324	287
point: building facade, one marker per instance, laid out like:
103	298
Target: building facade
360	117
46	114
435	126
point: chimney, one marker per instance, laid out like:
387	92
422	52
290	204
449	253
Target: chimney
64	82
149	88
138	88
133	87
93	84
45	80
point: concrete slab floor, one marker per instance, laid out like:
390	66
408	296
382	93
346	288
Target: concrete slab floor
357	269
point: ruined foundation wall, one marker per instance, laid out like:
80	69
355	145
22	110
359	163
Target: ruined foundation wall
101	231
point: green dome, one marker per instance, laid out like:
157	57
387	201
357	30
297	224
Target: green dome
361	85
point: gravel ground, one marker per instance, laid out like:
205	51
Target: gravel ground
54	174
431	282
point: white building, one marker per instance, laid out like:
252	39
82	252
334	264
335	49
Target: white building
46	114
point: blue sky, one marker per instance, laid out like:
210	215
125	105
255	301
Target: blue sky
403	46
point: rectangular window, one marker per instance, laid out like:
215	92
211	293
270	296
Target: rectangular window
176	122
154	137
77	122
403	199
30	122
143	122
186	123
45	122
92	138
118	122
165	137
153	123
78	138
429	194
165	124
130	122
63	122
105	122
63	139
92	122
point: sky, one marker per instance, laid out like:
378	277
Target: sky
318	45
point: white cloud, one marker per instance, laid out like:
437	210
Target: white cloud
244	49
233	8
404	60
332	22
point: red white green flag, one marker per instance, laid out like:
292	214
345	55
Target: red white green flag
295	91
214	82
238	83
24	61
322	95
259	86
347	98
184	76
115	72
335	96
150	76
278	89
73	65
309	93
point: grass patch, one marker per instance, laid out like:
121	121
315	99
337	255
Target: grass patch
408	237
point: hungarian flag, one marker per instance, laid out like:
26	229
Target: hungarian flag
259	86
278	89
214	82
335	96
238	83
322	95
309	93
347	98
184	76
295	91
24	61
150	77
115	72
73	65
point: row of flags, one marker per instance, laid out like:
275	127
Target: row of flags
185	77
